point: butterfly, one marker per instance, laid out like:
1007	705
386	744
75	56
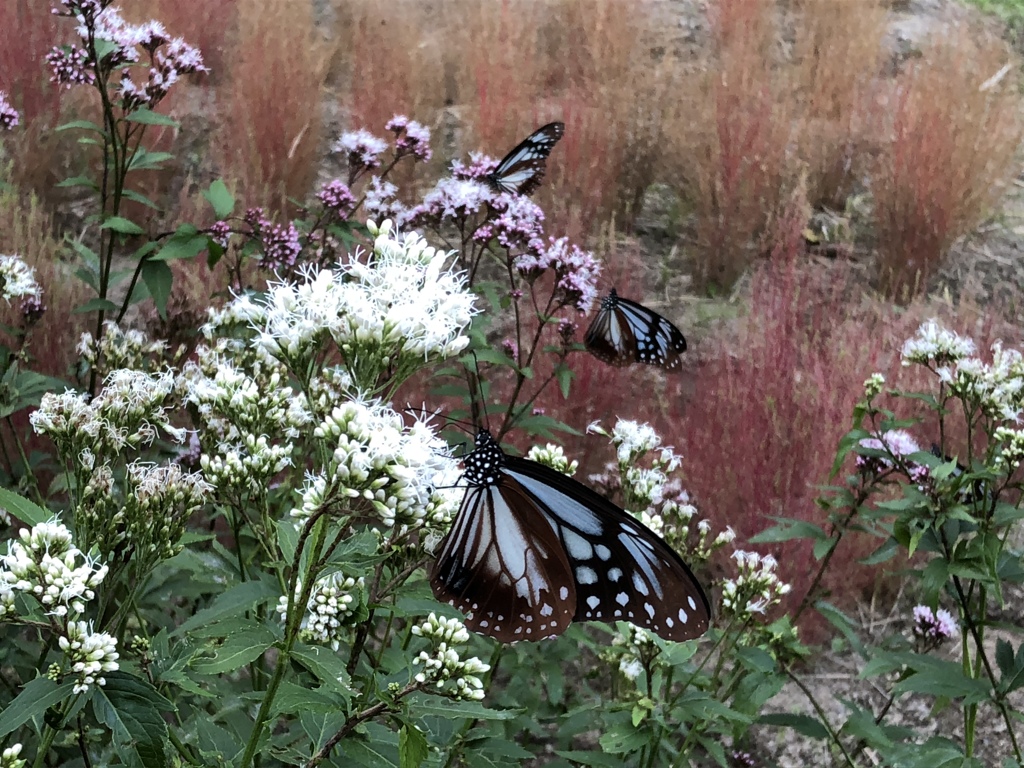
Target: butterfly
532	550
625	332
521	170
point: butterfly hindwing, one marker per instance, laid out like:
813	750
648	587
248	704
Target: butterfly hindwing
521	170
504	567
624	332
622	570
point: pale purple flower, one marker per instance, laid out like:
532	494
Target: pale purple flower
452	198
336	197
362	149
576	271
220	233
381	203
510	348
520	224
566	329
281	246
933	627
70	66
32	310
411	138
896	441
480	165
8	114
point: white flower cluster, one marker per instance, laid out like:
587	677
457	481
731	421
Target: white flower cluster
756	587
996	387
1011	451
160	498
638	649
247	467
401	306
443	667
334	600
90	654
398	469
935	344
125	414
630	438
118	348
553	456
9	757
17	279
46	564
873	385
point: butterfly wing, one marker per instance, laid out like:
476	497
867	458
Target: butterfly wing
521	170
624	332
621	569
504	567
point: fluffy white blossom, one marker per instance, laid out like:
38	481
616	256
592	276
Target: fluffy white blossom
996	387
334	601
635	650
442	665
17	279
933	344
755	588
45	563
630	438
119	348
89	654
553	456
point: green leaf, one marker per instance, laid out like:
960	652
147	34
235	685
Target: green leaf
122	225
127	705
236	601
85	125
237	650
412	747
222	201
95	305
788	529
802	724
287	539
622	739
840	621
35	698
138	197
144	160
293	699
426	706
77	181
564	375
158	279
185	243
884	553
27	511
149	117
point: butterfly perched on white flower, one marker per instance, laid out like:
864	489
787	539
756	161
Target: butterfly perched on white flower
532	550
624	332
521	170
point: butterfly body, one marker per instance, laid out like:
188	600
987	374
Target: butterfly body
624	332
532	550
521	170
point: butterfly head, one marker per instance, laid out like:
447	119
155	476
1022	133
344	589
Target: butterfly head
483	464
610	301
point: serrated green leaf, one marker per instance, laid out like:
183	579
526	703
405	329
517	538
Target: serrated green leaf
622	739
185	243
802	724
236	651
235	601
884	553
26	511
788	529
127	705
412	747
158	279
426	706
122	225
293	699
220	199
33	700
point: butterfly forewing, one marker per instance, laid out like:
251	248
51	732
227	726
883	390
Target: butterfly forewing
622	570
624	332
521	170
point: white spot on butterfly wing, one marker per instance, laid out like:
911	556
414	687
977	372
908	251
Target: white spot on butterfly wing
585	575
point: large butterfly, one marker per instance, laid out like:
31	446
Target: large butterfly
532	550
624	332
520	171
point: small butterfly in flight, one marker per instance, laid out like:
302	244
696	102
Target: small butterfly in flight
624	332
532	550
521	170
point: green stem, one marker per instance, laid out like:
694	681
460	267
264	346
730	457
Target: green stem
821	716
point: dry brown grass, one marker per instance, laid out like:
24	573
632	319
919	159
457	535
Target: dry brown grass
948	145
270	103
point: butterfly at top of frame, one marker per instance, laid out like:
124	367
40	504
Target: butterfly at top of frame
532	550
624	332
521	170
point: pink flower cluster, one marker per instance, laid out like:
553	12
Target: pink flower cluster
362	149
336	197
411	138
576	271
281	243
8	114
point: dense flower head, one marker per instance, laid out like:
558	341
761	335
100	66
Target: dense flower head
333	604
70	66
410	137
220	233
480	165
635	651
380	200
8	114
997	388
362	149
576	271
873	385
282	245
933	628
452	199
518	225
553	456
756	587
630	438
403	472
933	344
336	197
897	442
89	654
45	563
160	498
443	667
121	348
17	279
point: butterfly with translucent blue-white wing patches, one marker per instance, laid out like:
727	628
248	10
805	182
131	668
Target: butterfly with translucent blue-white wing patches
521	170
